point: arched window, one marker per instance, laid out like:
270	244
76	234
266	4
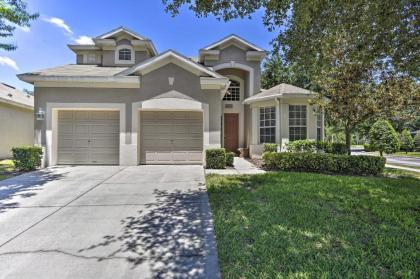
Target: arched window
234	91
124	54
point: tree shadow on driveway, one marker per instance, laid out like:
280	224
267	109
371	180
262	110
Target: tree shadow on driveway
24	186
173	237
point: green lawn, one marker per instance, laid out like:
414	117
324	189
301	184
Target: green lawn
6	169
301	225
391	172
411	154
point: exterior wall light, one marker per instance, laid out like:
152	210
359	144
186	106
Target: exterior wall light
40	115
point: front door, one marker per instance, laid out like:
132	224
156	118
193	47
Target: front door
231	132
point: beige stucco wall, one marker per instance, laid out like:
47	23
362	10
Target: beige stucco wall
152	84
16	128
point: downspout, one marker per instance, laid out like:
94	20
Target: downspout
278	101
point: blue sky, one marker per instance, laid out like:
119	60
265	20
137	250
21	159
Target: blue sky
63	22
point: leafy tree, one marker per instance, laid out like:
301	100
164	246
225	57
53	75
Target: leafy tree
276	71
383	137
407	142
13	13
363	55
417	141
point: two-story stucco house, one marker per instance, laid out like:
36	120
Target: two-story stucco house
125	103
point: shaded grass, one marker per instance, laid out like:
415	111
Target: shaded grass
395	173
6	169
411	154
301	225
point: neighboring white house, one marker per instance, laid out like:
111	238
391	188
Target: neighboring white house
125	103
16	119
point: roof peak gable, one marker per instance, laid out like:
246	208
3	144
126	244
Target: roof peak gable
233	38
167	57
121	29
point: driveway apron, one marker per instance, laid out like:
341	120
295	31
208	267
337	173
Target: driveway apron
107	222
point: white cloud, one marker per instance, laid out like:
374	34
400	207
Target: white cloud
24	28
59	23
84	40
7	61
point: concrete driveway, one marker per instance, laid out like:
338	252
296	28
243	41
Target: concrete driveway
107	222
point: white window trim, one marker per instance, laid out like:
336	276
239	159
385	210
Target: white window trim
117	57
259	123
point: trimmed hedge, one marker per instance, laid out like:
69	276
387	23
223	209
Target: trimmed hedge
216	158
27	158
270	147
317	146
229	159
324	163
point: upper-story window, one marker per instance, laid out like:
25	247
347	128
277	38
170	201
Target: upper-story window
234	91
124	54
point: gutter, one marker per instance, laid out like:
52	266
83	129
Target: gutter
13	103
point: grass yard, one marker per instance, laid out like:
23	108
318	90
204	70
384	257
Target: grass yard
6	169
302	225
411	154
394	173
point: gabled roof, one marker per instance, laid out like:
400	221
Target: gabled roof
73	70
282	90
171	56
12	96
233	38
121	29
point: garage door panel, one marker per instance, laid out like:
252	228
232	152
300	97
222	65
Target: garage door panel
104	128
63	115
110	143
88	137
171	137
81	115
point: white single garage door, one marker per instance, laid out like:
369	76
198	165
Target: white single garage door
88	137
171	137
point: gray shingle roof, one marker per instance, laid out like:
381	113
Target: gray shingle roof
278	91
10	95
73	70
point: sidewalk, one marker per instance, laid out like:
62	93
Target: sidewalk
240	166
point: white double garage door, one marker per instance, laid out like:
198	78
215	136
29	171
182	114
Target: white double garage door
93	137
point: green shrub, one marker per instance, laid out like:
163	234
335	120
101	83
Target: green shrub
216	158
302	146
27	158
383	137
417	141
317	146
407	141
229	158
270	147
338	148
368	148
324	163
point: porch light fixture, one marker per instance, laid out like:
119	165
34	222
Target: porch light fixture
40	115
171	81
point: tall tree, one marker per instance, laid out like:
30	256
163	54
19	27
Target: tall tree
363	55
276	71
13	13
